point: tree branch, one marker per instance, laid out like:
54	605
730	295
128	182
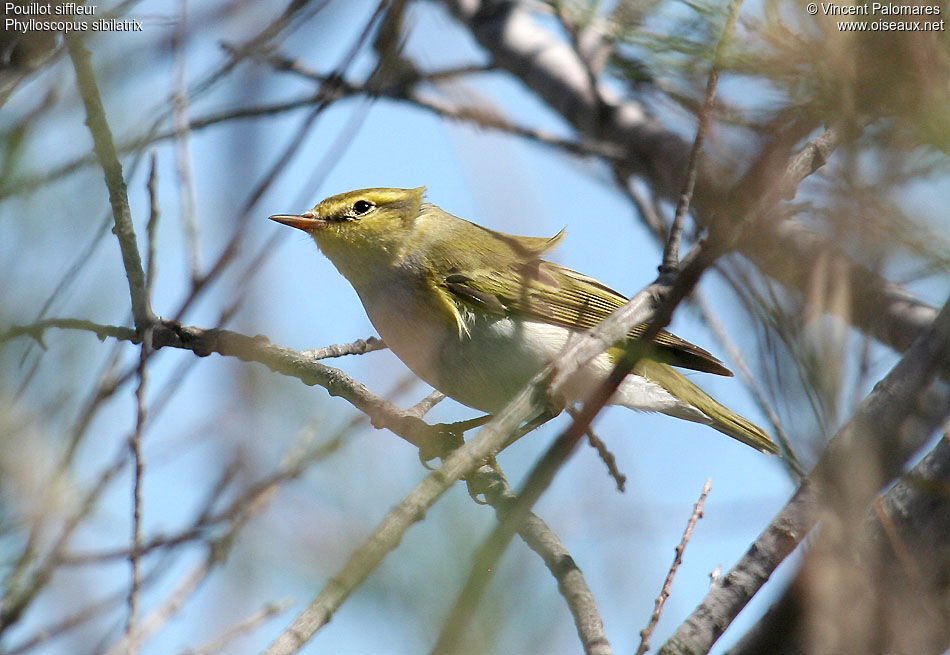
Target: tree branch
118	195
918	510
542	540
301	365
782	248
891	417
697	514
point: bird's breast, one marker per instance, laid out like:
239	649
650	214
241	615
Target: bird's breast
483	366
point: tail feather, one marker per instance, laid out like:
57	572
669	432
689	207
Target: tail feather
717	416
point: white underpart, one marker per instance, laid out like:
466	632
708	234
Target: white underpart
635	392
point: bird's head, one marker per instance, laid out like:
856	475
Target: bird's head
360	230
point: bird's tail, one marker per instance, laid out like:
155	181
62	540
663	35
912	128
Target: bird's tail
715	415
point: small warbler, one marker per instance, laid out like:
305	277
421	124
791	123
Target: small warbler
477	313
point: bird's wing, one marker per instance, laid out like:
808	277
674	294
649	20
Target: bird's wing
546	292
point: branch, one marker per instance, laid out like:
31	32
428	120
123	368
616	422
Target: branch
671	251
118	195
697	514
913	518
542	540
891	417
244	626
301	365
783	249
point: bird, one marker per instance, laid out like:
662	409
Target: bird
476	313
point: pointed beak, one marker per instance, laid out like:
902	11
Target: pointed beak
306	221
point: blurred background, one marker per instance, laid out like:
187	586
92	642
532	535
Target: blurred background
256	488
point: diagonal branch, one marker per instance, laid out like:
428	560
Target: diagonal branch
118	195
783	248
671	258
660	601
913	516
637	310
542	540
892	409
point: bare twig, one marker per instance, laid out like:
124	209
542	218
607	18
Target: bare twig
36	330
358	347
422	407
245	625
239	513
20	589
697	514
671	251
258	349
138	471
325	97
141	415
605	455
482	117
291	467
574	33
188	196
152	225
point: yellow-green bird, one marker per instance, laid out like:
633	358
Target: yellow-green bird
477	313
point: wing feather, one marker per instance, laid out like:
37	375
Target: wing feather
550	293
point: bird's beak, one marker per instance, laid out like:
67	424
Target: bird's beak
306	221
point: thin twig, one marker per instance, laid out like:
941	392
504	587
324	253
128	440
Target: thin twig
216	553
571	28
259	349
247	624
671	251
152	225
422	407
291	467
697	514
141	416
358	347
483	117
325	97
138	472
19	593
183	159
605	455
647	208
609	460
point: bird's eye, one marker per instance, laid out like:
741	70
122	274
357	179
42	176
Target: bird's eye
360	207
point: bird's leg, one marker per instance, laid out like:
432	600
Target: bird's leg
449	436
